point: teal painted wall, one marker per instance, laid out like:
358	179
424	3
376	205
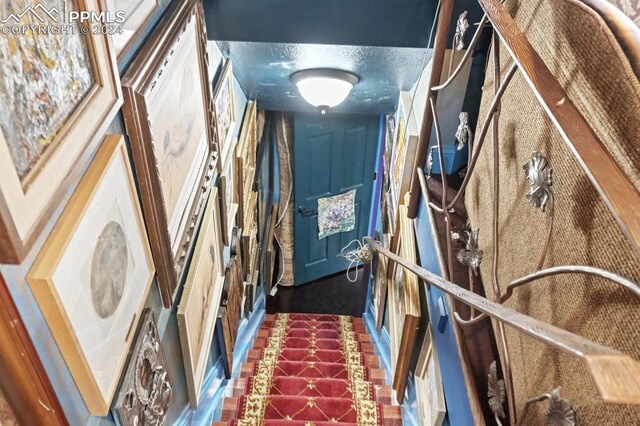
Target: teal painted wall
55	366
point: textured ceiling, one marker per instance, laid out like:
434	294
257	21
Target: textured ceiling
382	41
264	69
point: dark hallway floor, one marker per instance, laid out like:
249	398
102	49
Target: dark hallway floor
330	295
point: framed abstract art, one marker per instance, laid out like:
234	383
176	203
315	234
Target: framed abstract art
404	306
92	277
198	308
224	108
168	117
50	122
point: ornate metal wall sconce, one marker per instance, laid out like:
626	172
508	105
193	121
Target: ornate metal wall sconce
496	393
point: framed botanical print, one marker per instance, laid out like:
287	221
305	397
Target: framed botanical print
404	306
229	194
404	150
168	117
137	14
92	277
51	122
246	153
428	381
198	308
224	108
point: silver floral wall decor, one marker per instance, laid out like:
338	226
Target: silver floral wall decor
496	393
559	411
146	392
471	255
463	133
539	174
461	29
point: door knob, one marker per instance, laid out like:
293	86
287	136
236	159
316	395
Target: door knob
306	213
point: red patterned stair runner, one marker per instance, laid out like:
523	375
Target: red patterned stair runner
307	369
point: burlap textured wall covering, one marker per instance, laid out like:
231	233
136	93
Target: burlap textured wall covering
582	55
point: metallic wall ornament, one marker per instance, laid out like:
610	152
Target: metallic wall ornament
146	392
496	393
463	133
471	255
461	29
539	175
559	412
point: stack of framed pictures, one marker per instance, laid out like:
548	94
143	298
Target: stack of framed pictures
198	308
404	306
229	192
92	277
169	120
230	319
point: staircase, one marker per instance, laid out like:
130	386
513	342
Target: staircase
308	369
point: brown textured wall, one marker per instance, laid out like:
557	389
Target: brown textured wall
598	79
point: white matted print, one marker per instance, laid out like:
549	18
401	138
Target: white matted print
224	110
198	307
179	127
93	274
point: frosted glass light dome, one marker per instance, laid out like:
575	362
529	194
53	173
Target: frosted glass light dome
324	88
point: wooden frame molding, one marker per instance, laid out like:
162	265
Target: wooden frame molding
24	380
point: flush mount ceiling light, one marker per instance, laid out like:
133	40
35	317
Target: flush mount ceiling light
324	88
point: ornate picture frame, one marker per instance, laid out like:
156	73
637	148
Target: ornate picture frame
246	153
404	306
168	117
198	308
224	109
137	403
229	192
405	143
92	307
56	124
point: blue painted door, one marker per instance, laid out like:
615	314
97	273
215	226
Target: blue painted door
332	155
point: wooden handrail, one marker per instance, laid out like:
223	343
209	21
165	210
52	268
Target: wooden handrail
615	375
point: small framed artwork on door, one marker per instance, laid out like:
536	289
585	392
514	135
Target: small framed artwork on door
93	274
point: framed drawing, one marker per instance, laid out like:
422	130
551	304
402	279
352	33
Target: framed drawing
404	307
168	117
51	122
224	108
229	195
198	308
428	380
146	392
404	149
246	159
233	307
93	274
138	13
380	286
